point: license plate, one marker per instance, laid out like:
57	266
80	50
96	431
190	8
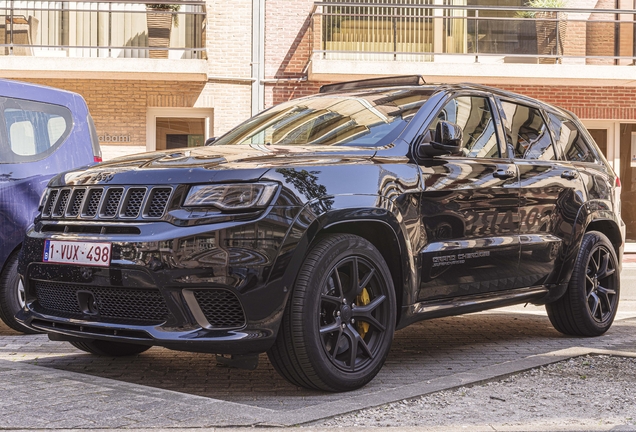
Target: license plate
83	253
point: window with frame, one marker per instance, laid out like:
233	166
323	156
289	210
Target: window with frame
474	116
570	140
33	129
527	135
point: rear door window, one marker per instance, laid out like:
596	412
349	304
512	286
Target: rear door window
527	135
31	130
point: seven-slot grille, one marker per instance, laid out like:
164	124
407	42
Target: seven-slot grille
107	202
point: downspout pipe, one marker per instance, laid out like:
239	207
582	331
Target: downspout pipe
258	56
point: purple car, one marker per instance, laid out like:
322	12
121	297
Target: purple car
43	131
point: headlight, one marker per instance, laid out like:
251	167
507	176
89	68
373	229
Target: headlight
237	196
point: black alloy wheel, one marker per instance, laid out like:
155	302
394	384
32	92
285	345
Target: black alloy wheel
351	324
339	322
601	292
589	306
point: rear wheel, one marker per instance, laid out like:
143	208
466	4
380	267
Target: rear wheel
339	322
109	349
589	305
12	295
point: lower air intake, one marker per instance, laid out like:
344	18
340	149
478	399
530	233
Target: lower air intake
222	309
119	304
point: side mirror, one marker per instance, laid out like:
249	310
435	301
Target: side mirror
448	140
209	141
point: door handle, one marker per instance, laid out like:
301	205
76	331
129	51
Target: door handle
504	173
570	175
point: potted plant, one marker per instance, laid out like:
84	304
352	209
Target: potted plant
159	17
546	25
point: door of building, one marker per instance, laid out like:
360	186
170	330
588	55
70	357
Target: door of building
171	128
628	177
177	132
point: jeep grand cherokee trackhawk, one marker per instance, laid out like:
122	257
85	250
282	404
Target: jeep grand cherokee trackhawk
316	228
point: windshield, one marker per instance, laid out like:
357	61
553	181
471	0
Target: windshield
373	119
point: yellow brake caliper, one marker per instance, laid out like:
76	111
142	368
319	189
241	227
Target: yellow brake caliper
363	300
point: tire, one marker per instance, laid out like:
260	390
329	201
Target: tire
589	305
12	295
110	349
336	333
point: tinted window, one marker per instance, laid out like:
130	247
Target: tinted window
369	120
474	116
526	132
570	141
32	129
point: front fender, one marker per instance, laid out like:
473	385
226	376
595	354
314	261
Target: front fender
341	214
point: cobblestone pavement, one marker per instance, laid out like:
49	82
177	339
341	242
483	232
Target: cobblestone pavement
78	389
421	352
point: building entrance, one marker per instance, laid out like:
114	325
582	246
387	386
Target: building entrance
628	177
180	132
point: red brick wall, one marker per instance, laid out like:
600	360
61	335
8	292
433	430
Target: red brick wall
229	50
600	36
288	53
282	92
288	38
119	106
575	39
617	103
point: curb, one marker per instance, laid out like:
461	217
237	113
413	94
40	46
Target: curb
478	376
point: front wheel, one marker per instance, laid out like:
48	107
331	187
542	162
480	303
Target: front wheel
338	325
110	349
589	305
12	295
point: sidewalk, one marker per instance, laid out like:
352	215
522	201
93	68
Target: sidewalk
49	385
46	384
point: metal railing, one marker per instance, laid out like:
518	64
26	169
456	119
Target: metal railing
106	28
392	30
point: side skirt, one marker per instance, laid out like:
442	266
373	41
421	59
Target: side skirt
467	304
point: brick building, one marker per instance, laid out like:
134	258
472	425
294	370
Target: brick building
228	60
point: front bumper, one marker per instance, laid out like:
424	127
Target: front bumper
186	288
245	341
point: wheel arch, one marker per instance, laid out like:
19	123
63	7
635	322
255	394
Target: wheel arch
380	222
592	216
610	229
381	235
15	250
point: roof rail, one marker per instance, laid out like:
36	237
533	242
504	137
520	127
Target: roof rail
393	81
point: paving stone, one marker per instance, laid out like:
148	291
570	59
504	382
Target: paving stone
159	388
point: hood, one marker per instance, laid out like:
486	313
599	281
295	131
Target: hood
234	163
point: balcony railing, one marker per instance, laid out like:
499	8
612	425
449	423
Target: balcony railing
119	29
451	31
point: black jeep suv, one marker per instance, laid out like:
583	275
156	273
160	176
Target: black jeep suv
315	229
